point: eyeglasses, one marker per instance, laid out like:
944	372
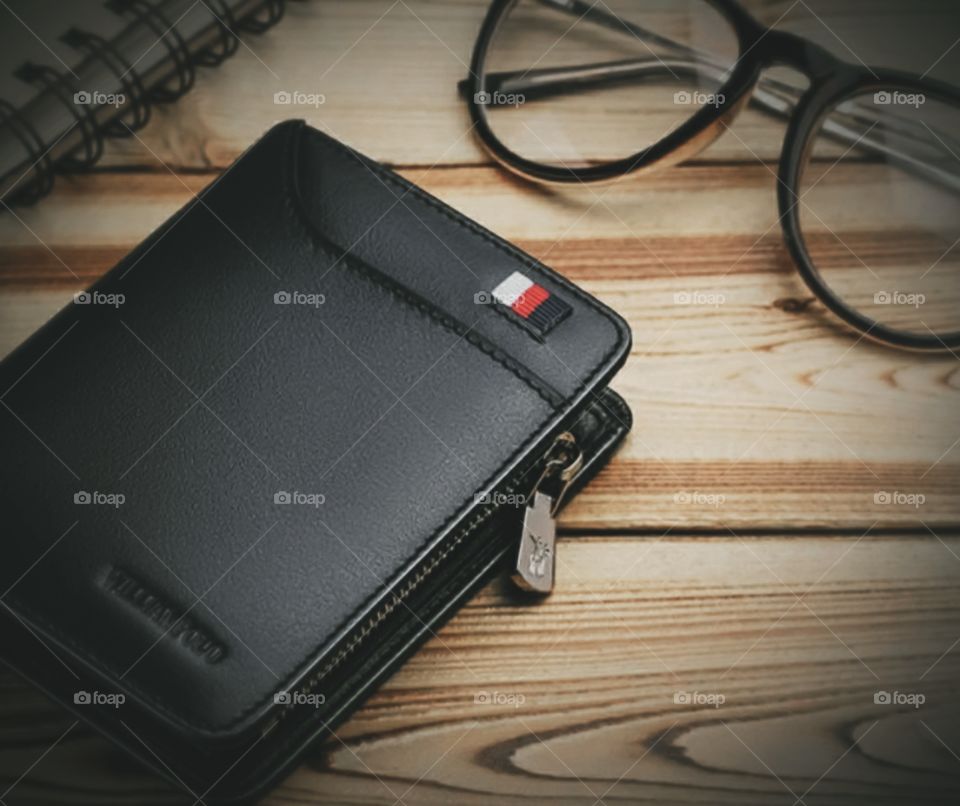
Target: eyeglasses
574	91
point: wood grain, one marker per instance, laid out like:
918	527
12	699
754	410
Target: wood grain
759	537
387	71
754	407
797	636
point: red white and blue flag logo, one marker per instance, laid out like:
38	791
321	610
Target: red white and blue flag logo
531	302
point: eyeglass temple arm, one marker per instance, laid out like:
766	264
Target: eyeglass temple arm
766	94
614	22
770	95
774	97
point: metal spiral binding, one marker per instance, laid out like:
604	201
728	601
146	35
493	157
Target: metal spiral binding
172	40
138	113
212	56
268	16
41	165
55	82
90	147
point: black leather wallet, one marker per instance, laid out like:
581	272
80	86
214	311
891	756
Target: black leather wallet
257	463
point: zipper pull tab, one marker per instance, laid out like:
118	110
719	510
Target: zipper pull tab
536	555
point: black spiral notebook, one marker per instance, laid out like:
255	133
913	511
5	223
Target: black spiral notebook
74	72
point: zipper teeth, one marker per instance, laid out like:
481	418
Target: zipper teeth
398	597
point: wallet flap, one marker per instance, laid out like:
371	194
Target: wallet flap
253	426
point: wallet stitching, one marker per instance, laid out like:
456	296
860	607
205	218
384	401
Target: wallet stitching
520	324
618	343
371	275
374	277
295	737
85	653
369	272
474	228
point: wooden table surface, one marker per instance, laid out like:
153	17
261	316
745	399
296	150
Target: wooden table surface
738	547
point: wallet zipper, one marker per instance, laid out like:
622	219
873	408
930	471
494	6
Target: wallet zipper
536	546
536	552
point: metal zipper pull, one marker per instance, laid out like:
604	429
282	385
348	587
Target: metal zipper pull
536	555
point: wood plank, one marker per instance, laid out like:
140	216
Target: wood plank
754	410
825	410
797	637
388	70
760	411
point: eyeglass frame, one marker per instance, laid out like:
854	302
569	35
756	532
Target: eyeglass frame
831	81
